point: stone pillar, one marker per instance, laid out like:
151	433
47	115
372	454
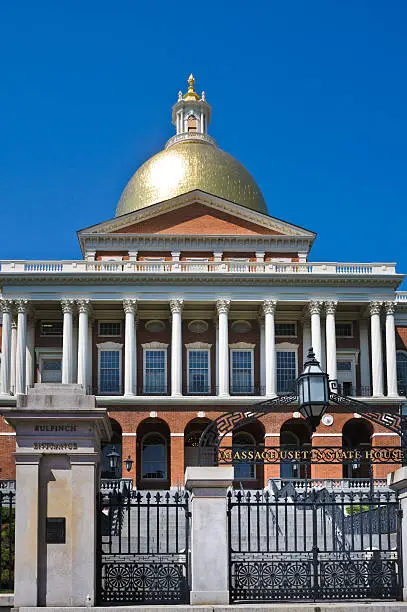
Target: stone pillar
176	347
330	308
13	354
262	356
29	354
67	341
391	366
269	308
398	482
222	307
209	534
306	338
89	362
6	307
130	362
84	308
22	306
315	312
377	351
58	435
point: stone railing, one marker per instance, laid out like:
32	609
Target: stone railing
330	484
196	267
401	297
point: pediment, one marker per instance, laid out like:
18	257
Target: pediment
197	213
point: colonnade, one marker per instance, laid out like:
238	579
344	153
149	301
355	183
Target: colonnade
17	345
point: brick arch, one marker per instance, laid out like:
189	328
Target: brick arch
146	427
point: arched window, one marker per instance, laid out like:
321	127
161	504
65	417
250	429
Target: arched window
107	447
357	435
243	441
154	457
401	358
192	124
295	434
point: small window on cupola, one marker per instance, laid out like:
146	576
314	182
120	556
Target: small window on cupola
192	124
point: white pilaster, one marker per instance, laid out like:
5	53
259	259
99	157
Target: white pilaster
377	351
330	332
6	308
391	366
67	341
222	306
216	323
306	337
13	354
29	355
130	308
90	354
262	355
84	308
176	347
364	356
22	307
315	312
269	308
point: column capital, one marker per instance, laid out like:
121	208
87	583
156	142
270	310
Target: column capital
222	305
390	307
375	307
315	306
130	305
84	306
22	306
6	305
330	306
176	305
269	306
67	306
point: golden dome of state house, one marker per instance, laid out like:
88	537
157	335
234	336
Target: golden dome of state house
192	301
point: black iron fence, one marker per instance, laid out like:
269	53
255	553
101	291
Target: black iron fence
143	541
7	531
314	545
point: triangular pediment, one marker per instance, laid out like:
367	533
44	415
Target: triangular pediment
197	213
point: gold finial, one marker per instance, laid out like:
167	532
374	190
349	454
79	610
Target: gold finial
191	93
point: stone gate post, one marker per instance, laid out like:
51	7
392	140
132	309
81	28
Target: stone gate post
398	482
209	534
58	434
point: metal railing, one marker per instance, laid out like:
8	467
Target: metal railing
7	531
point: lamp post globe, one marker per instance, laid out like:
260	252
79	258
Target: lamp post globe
313	391
113	457
128	463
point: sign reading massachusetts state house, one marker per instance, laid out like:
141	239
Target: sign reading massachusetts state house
323	454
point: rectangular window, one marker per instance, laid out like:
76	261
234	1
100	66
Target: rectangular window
51	370
286	371
344	330
285	329
242	371
198	371
51	328
110	371
155	371
110	328
344	366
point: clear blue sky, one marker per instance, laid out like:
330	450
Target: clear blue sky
309	95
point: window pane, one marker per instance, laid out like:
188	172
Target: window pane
243	470
402	371
51	370
109	372
285	329
198	371
109	328
286	371
154	457
242	367
155	371
344	330
51	328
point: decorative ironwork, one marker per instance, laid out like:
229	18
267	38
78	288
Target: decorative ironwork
7	531
143	547
313	545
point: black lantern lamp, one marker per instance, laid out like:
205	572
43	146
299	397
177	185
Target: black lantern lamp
128	463
313	391
113	457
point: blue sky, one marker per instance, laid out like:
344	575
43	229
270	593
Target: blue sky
310	96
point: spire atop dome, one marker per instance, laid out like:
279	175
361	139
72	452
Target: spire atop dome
191	116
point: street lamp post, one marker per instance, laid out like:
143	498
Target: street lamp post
313	391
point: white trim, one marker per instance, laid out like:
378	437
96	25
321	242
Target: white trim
239	347
4	433
384	434
242	345
272	435
200	346
156	347
110	335
176	435
124	433
326	435
111	346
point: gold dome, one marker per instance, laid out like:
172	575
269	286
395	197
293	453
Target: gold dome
185	166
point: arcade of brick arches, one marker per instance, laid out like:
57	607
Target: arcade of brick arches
194	302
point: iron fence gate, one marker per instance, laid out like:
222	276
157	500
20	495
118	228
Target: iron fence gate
143	547
312	545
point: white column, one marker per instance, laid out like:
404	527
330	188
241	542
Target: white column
364	356
330	333
130	307
216	354
84	308
29	355
315	312
13	354
392	390
377	351
222	307
262	356
269	308
6	307
176	347
22	307
67	341
90	355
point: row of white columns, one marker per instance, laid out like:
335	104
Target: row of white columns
15	341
